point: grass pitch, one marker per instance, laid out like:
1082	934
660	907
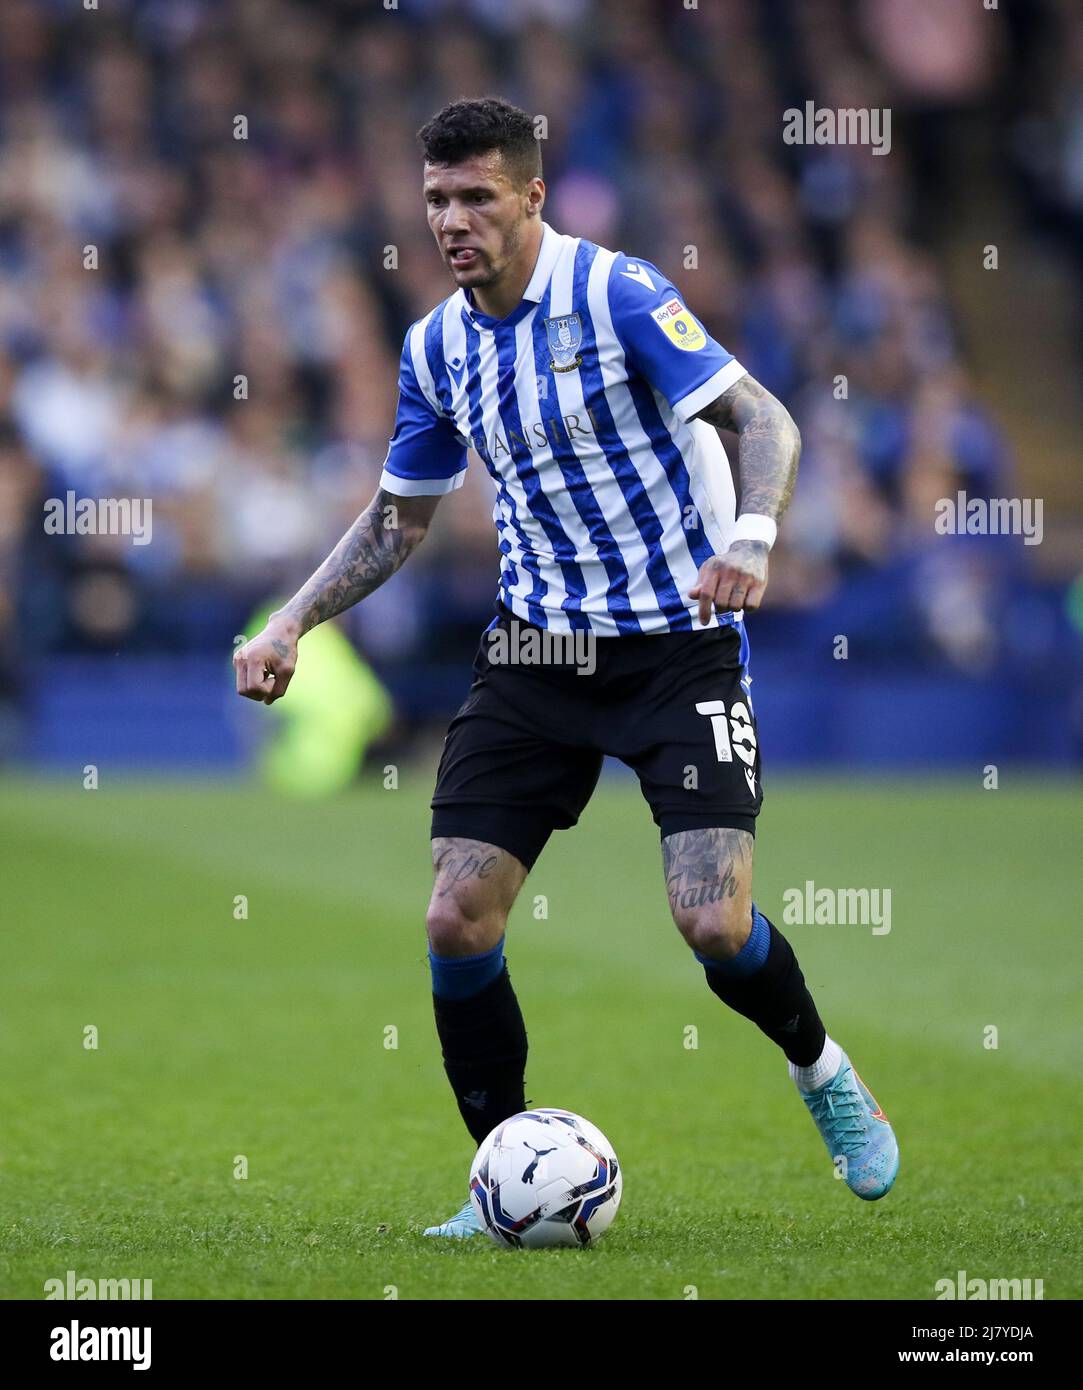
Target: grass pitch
267	1038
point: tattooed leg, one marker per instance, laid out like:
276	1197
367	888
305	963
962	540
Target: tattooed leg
476	885
709	883
478	1020
748	963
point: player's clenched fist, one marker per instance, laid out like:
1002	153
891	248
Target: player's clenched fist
734	580
265	664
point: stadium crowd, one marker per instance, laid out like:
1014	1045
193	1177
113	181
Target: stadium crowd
212	242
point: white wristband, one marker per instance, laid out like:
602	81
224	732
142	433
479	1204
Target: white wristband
751	526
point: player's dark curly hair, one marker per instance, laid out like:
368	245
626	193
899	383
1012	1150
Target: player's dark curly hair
466	128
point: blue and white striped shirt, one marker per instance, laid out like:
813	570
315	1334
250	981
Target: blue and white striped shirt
609	496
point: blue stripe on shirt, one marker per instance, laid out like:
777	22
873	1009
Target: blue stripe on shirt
510	575
635	495
541	507
673	465
578	486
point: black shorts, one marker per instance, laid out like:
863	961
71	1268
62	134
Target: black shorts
523	754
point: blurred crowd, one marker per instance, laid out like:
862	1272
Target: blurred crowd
212	241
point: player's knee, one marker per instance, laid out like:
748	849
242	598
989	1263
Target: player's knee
455	929
718	930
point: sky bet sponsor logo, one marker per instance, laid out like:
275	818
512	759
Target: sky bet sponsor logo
679	326
75	1343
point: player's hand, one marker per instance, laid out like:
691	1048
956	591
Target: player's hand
265	664
731	581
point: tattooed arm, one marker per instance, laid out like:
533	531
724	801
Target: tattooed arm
371	551
768	447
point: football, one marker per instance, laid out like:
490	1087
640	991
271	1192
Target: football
544	1178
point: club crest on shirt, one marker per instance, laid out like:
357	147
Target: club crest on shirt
679	326
565	338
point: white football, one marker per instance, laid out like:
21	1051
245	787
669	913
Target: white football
545	1177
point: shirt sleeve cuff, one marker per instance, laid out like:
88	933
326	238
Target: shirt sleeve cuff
711	389
420	487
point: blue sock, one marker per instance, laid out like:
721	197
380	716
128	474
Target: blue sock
460	977
750	957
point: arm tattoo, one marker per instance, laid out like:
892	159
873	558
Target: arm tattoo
705	866
768	445
370	552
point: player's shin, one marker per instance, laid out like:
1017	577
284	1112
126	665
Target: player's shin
764	983
482	1037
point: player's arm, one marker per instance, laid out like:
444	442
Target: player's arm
387	531
425	459
665	342
769	447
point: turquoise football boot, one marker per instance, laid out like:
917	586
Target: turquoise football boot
857	1133
464	1223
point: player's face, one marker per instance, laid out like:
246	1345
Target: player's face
478	216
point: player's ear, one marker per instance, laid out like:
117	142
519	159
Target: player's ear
535	197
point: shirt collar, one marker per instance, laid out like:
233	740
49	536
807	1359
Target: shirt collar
548	254
544	266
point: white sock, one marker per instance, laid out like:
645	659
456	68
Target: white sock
822	1070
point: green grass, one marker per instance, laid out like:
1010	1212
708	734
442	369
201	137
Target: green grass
265	1038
